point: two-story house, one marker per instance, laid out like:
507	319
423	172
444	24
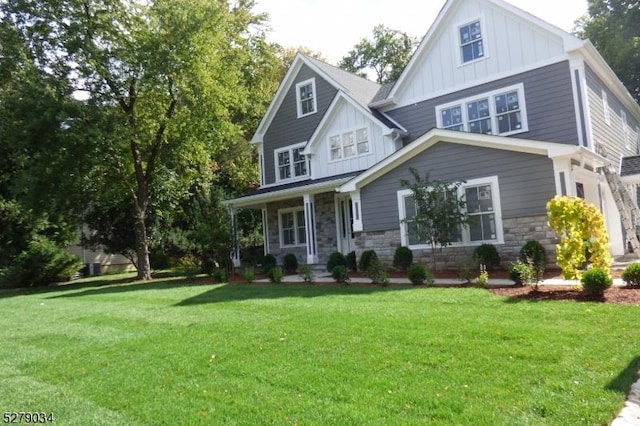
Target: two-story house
517	109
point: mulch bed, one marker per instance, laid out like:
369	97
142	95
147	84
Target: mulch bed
619	295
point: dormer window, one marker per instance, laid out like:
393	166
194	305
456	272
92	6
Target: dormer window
306	97
471	42
291	163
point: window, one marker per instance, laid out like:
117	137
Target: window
500	112
625	130
306	97
482	199
471	44
349	144
605	107
291	163
292	227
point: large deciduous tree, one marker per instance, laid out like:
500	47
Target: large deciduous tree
386	54
170	88
613	26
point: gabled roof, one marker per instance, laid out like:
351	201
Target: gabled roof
359	89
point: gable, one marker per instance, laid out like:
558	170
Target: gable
511	41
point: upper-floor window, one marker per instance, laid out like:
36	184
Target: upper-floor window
306	97
605	107
500	112
290	162
625	130
471	41
349	144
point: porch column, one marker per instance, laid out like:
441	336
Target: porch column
265	230
310	226
356	205
235	247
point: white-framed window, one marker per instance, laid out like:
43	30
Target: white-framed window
290	162
499	112
605	107
349	144
306	97
471	41
292	227
625	130
482	198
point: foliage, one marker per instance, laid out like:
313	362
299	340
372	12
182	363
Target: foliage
276	274
631	275
367	257
378	272
159	259
483	279
352	263
190	272
306	272
419	274
220	275
467	268
595	281
487	254
290	263
386	55
612	26
524	272
249	274
582	232
439	212
209	266
534	253
336	259
42	263
402	258
269	262
340	274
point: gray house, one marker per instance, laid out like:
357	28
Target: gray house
516	108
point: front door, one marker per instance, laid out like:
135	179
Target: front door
344	221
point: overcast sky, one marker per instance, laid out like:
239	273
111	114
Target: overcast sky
333	27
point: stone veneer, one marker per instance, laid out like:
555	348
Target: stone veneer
517	231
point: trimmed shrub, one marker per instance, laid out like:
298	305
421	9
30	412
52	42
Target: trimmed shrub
336	259
631	275
482	280
419	274
249	274
269	262
276	274
595	281
523	273
366	258
534	253
290	263
220	275
306	272
378	273
487	254
352	262
402	258
340	274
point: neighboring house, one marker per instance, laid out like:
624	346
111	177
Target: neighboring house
516	108
96	261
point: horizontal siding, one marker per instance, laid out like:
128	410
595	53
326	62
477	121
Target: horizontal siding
526	181
549	102
286	128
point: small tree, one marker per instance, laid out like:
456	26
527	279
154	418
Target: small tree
439	212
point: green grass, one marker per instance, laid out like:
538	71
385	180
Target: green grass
172	353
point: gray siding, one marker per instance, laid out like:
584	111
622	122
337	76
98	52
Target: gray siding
286	128
549	101
525	180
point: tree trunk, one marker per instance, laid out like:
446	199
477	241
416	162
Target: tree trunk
142	246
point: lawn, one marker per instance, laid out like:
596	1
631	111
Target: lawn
170	352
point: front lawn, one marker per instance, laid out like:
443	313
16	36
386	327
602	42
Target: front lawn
167	352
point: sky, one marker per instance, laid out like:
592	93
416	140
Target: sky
333	27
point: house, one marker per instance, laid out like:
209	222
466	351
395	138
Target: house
516	108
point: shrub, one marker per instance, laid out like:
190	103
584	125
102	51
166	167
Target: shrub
249	274
190	272
378	273
352	263
340	274
595	281
402	258
306	272
467	269
276	274
534	253
419	274
290	263
487	254
220	275
631	275
483	279
336	259
159	260
366	258
268	262
209	266
524	273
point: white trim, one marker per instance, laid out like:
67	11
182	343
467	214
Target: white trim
483	34
312	82
295	211
353	131
356	203
625	129
265	229
466	236
290	149
605	107
493	114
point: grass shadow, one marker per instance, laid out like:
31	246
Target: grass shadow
130	286
623	381
94	282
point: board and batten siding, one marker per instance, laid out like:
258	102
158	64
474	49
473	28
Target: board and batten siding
610	136
286	128
511	43
526	181
548	97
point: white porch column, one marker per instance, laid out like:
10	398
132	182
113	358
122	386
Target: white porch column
356	205
310	226
235	247
265	230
